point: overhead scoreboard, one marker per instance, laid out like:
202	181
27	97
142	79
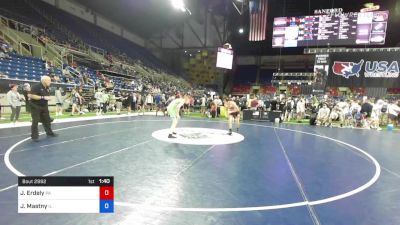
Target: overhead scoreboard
65	194
354	28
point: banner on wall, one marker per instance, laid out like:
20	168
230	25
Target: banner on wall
321	70
364	69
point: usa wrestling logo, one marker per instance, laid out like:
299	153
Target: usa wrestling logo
347	69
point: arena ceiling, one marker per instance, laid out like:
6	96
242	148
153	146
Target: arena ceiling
147	17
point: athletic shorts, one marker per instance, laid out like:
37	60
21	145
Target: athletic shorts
392	117
172	113
234	114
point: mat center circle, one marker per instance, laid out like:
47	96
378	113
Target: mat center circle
198	136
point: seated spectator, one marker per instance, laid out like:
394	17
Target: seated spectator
323	115
335	115
4	55
394	111
3	75
55	78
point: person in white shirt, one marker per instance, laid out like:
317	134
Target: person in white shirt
335	115
376	114
99	101
344	109
217	101
354	107
347	116
14	99
323	115
203	105
149	101
59	101
393	111
301	109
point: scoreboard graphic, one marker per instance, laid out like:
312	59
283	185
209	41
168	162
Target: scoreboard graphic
65	194
356	28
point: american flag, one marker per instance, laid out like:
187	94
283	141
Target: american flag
258	19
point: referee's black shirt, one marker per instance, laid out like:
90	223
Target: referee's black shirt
40	90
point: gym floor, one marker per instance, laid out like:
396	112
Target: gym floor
278	174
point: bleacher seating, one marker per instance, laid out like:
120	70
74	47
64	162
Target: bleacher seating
62	26
268	89
23	67
241	89
99	37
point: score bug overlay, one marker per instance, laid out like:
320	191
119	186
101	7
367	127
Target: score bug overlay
65	194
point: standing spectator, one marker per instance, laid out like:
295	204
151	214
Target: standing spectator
366	110
132	100
40	95
59	101
158	103
75	99
118	102
203	105
376	114
106	101
140	103
274	104
289	109
99	101
27	90
1	118
300	109
14	99
149	101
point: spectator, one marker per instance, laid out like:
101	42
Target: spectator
76	100
289	106
118	102
323	115
59	101
149	102
3	55
300	109
1	117
203	105
2	75
99	101
27	90
394	111
14	99
335	115
376	114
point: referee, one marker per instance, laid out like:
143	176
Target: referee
40	95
